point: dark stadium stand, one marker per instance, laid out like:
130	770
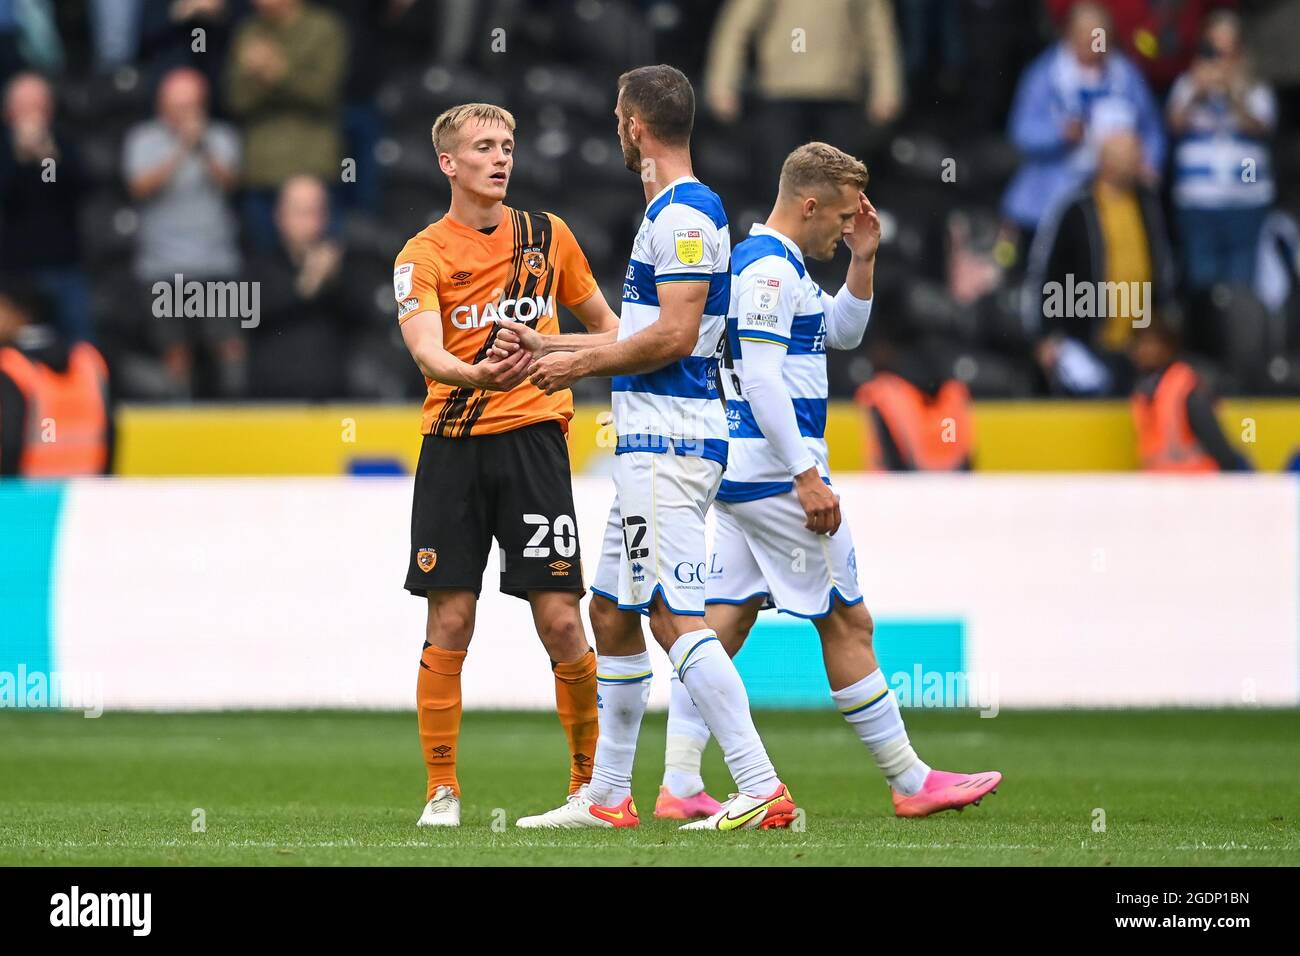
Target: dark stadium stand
563	59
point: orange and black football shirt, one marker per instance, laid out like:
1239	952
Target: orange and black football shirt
520	271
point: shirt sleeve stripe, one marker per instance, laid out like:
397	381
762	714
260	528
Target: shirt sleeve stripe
754	335
684	277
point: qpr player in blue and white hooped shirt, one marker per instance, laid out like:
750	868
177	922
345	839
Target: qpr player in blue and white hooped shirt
672	431
779	326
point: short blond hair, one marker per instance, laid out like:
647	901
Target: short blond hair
446	128
820	167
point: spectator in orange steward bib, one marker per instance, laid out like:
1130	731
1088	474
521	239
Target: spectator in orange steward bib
56	416
916	420
1173	412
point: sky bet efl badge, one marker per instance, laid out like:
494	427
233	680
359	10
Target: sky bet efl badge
402	280
690	245
766	291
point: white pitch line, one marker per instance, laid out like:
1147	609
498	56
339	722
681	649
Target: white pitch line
538	845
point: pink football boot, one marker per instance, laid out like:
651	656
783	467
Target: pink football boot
946	791
669	807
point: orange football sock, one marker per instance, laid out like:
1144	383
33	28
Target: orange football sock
575	702
437	696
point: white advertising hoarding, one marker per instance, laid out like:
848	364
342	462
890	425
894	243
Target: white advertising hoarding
1052	591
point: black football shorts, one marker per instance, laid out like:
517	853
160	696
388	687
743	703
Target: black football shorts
513	486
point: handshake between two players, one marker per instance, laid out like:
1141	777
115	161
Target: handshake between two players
719	394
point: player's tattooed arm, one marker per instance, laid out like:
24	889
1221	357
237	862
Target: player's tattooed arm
593	312
422	334
670	337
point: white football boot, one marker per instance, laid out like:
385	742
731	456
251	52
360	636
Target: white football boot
744	812
442	811
579	811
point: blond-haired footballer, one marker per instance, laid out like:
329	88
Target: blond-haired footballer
494	462
776	498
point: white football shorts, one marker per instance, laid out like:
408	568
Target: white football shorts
761	548
655	538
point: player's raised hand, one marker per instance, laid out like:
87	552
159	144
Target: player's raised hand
558	370
865	238
821	506
502	374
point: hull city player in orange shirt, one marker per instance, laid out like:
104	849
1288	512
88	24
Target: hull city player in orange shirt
494	460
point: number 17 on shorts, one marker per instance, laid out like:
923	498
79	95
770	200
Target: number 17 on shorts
655	538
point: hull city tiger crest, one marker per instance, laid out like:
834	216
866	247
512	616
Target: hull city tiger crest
535	262
426	558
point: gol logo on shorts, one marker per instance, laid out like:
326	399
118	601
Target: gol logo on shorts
426	558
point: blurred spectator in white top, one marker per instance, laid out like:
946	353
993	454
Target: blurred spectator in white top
180	168
1071	97
1221	117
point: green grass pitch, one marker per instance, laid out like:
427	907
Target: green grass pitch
1176	788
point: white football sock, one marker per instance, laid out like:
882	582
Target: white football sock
622	687
719	695
688	735
872	711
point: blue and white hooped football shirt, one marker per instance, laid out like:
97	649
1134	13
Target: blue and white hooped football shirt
683	237
773	299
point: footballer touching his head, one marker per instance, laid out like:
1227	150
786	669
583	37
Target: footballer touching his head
494	461
776	499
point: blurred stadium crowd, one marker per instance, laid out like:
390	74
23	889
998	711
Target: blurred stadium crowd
287	142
